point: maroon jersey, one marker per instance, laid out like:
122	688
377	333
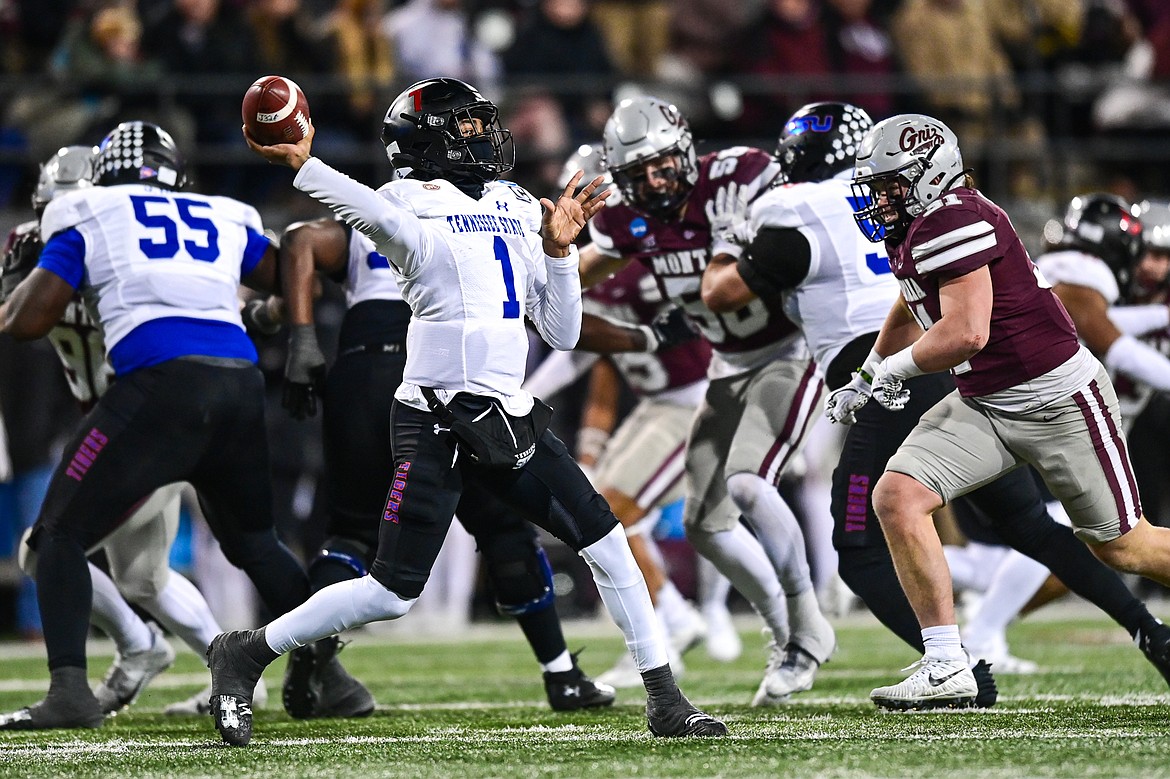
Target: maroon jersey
677	252
1031	333
632	296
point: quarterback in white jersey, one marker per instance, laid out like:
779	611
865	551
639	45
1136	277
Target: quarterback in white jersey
474	256
161	269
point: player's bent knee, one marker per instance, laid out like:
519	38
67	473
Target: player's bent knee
522	585
142	590
898	497
746	490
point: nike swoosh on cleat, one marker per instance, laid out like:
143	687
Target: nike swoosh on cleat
935	682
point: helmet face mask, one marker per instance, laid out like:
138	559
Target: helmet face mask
69	169
444	128
139	153
904	166
651	155
819	141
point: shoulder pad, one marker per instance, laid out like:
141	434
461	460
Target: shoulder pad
1080	269
68	210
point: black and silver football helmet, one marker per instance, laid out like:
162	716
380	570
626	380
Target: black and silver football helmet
1104	226
444	128
820	140
139	153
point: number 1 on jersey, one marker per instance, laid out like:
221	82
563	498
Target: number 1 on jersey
511	305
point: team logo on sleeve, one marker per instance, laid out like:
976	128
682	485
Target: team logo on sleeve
638	227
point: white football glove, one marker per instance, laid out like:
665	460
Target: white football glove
728	214
887	389
844	402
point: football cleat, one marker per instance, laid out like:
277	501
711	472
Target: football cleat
933	684
199	704
1153	638
679	718
689	634
316	685
572	690
234	674
775	658
59	710
130	673
796	673
985	681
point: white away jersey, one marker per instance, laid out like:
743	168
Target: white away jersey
370	276
1080	269
151	253
849	288
471	270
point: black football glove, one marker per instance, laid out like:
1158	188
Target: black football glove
19	261
670	328
304	372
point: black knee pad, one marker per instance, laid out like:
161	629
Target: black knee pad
519	572
348	552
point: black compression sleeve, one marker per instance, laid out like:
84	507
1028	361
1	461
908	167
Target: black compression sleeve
778	258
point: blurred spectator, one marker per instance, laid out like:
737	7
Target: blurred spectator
205	41
790	40
560	44
30	30
859	46
637	31
702	32
966	80
433	38
364	59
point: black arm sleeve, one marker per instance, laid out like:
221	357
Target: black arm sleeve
778	258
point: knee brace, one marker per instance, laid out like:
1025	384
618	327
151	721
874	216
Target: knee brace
520	574
346	552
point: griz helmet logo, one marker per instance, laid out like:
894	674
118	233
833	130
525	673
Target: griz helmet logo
919	140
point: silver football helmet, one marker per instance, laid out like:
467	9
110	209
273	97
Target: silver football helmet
588	157
904	165
642	130
1155	216
70	168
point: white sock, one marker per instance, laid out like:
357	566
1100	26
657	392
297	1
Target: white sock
1015	582
334	609
113	615
973	566
673	607
738	556
623	591
776	528
559	664
181	609
714	587
942	642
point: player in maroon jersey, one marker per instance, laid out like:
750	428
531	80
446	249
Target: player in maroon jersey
973	303
764	386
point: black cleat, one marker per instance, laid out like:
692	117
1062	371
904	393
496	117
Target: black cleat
316	685
681	718
1153	638
234	673
572	690
48	716
988	694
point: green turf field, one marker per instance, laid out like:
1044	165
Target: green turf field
476	708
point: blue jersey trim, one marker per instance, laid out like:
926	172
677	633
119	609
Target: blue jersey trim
258	244
159	340
64	255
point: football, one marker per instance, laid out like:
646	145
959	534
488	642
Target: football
275	110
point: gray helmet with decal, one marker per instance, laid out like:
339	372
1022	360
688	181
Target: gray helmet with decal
70	168
917	152
642	129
